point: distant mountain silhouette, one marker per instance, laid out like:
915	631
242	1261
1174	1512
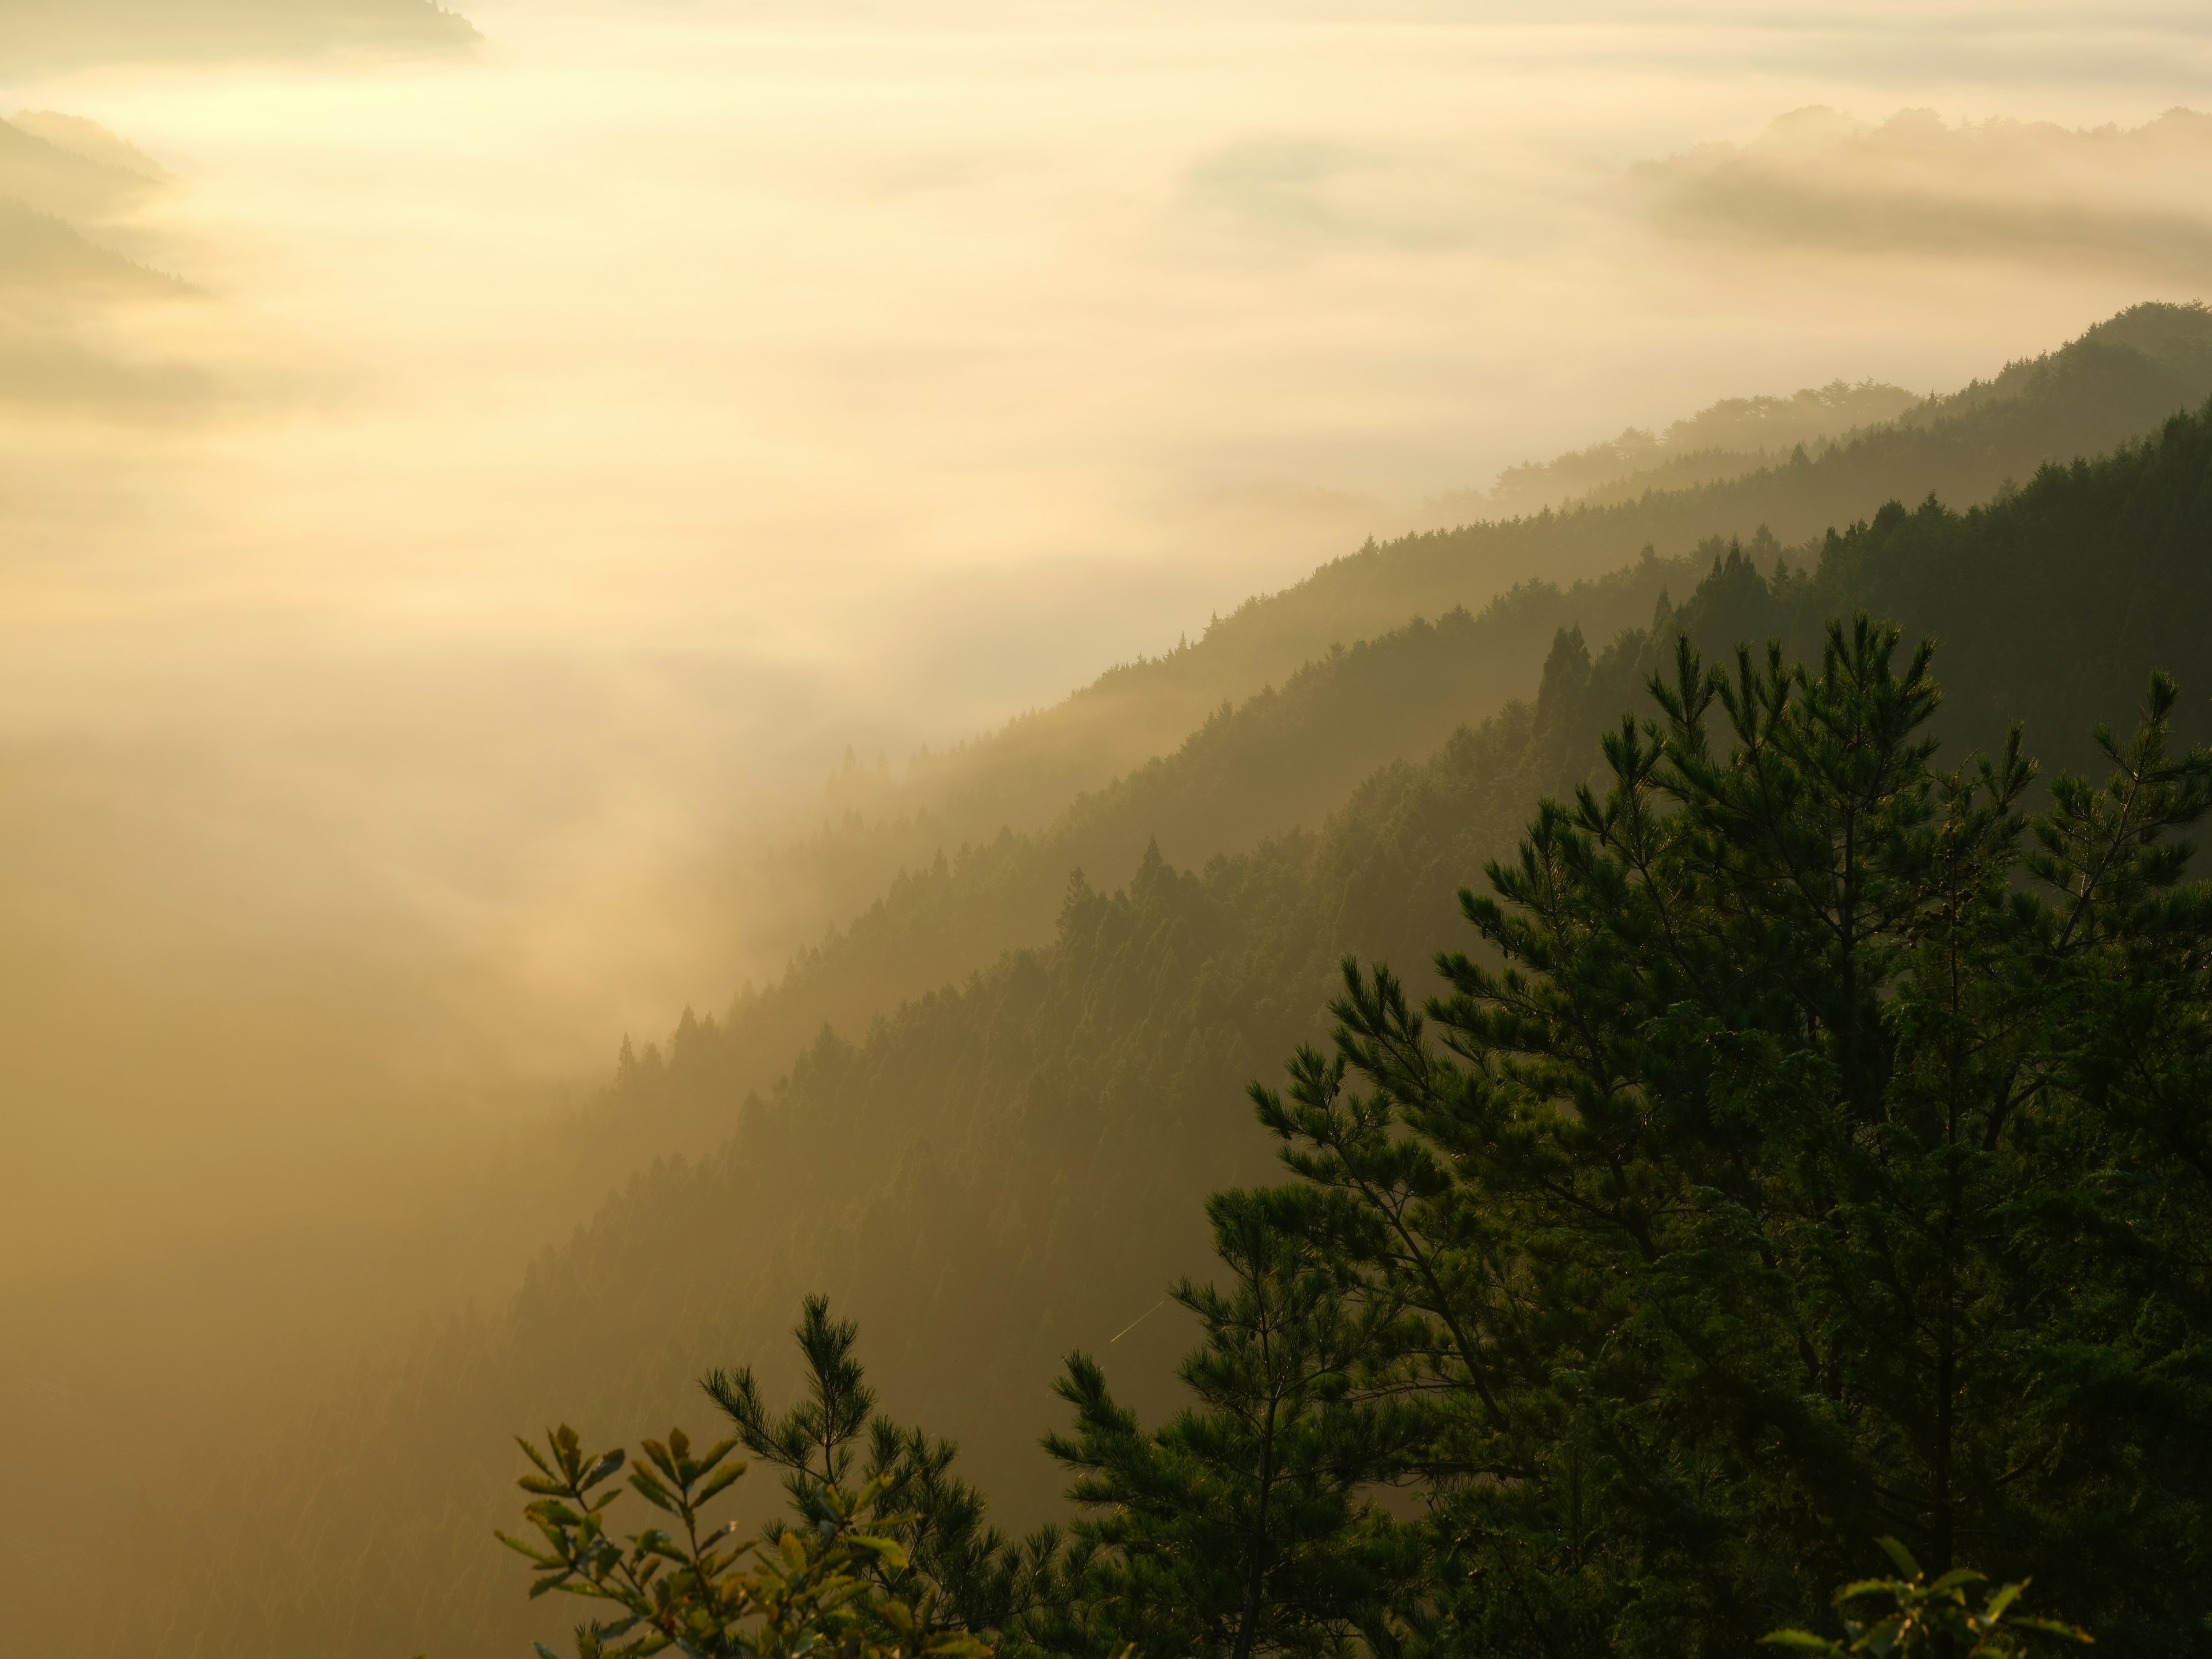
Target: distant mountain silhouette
39	251
64	180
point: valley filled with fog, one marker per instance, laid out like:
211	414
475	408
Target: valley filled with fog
512	532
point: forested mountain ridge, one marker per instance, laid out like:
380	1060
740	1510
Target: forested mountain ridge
68	168
1284	759
1725	440
59	176
1281	759
1286	756
2117	381
1001	1170
923	912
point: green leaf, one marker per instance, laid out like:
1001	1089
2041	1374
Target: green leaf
892	1552
652	1491
720	1482
1896	1551
1858	1588
2000	1600
606	1465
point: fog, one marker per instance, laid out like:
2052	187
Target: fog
468	500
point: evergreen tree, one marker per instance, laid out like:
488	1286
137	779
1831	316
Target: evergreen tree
1816	1154
1245	1525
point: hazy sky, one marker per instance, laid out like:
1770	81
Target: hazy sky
570	448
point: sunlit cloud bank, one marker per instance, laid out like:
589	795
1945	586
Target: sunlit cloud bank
2027	192
45	33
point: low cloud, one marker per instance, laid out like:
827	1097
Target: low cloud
2003	189
1294	190
46	34
91	323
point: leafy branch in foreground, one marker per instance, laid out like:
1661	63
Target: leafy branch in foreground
954	1572
1925	1618
705	1591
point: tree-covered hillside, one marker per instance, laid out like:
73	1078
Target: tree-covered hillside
2118	381
1281	759
924	897
1728	439
1014	1165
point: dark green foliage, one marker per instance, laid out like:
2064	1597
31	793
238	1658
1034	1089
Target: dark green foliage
2049	604
1779	1176
1244	1524
814	1440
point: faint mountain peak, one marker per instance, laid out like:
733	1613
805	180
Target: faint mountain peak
62	178
42	252
1726	439
89	140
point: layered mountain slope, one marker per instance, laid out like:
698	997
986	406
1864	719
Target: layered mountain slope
1001	1170
46	259
68	188
89	322
1280	760
73	168
1730	438
2119	380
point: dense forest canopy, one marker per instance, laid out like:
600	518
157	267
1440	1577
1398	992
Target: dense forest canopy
1013	1164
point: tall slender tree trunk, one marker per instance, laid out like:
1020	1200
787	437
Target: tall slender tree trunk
1248	1623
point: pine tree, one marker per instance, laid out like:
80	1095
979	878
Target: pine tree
1245	1525
1816	1153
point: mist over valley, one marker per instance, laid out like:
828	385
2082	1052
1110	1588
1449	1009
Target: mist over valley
658	659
